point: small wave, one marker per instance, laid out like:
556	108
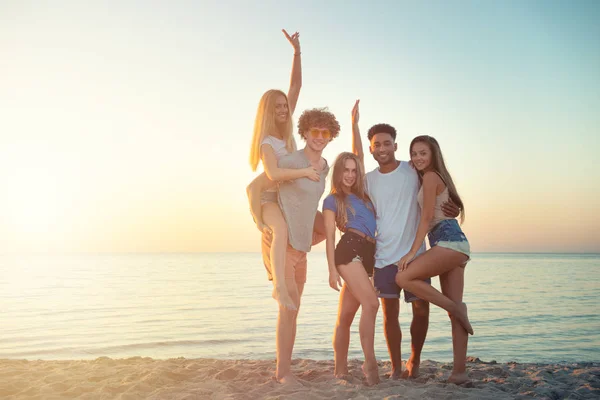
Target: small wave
124	349
169	343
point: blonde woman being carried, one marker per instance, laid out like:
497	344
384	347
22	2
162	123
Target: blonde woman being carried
271	140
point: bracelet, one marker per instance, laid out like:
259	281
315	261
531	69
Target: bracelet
297	54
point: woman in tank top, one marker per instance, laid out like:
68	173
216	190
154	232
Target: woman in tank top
272	139
449	250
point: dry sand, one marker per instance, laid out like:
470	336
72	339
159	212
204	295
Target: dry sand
146	378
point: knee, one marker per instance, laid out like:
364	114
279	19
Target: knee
401	279
280	231
421	309
288	315
390	314
390	322
345	319
371	306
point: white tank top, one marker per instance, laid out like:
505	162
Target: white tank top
440	199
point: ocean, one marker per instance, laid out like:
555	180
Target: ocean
523	307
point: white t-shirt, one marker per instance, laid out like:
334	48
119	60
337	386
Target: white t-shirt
398	213
279	149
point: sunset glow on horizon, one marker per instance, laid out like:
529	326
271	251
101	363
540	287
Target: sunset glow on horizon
126	127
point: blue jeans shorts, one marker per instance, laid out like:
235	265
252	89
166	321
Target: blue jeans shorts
447	233
385	284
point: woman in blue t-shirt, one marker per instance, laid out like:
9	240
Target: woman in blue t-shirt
350	209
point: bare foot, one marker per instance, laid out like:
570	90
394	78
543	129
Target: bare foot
395	375
284	299
289	380
412	368
371	373
341	373
458	378
462	318
344	376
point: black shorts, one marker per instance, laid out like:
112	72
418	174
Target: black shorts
353	247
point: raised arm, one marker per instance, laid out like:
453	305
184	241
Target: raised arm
430	182
356	140
296	79
334	276
277	174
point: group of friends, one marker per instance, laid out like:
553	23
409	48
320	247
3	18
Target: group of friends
384	216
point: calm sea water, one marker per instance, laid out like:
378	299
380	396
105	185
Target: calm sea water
524	307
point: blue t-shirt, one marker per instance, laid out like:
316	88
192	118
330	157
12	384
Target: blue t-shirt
362	220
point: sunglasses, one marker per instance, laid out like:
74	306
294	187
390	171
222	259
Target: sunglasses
325	133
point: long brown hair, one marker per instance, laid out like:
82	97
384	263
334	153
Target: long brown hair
337	188
438	165
264	125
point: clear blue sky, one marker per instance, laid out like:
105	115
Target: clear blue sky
126	126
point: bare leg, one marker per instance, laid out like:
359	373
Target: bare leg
272	216
319	226
319	229
393	334
418	333
434	262
286	334
452	283
360	285
341	335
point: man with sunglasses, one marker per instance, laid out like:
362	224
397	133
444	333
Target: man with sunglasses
299	201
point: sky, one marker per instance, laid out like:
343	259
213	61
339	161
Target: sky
125	127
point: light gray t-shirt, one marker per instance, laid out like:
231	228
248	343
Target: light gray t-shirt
299	201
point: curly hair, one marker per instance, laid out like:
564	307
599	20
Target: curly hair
318	118
381	128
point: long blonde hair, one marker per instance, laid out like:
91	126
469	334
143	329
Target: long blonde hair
438	165
337	188
264	125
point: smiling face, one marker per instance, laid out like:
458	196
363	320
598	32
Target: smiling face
420	155
317	138
281	109
383	148
349	175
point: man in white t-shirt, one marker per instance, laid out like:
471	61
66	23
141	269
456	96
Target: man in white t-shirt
393	189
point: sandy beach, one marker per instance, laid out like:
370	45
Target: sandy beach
146	378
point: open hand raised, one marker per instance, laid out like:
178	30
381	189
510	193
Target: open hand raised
294	40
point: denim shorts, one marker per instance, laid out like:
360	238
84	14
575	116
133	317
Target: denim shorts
353	247
386	287
447	233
